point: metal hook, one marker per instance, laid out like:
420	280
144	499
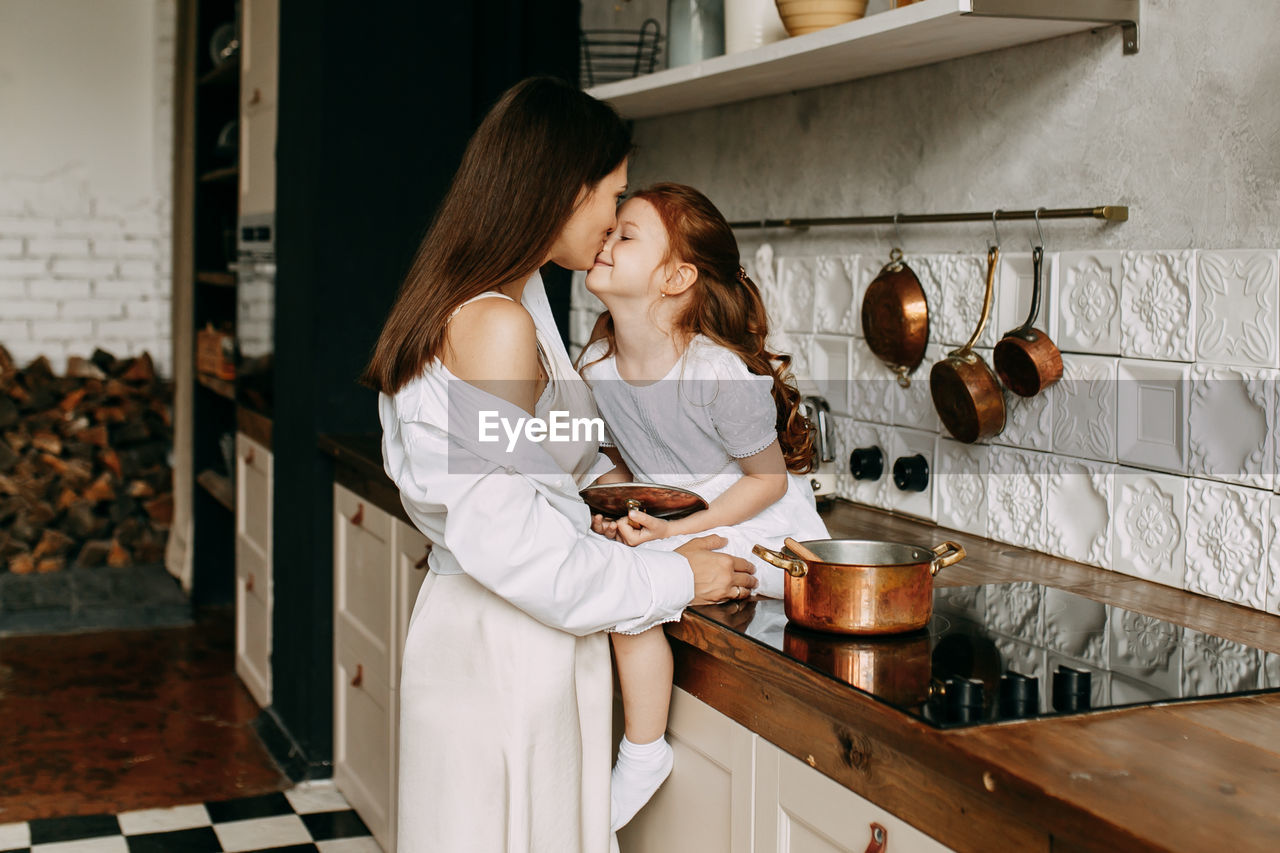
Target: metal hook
995	228
896	231
1039	232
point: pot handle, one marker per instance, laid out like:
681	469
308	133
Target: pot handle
946	554
795	568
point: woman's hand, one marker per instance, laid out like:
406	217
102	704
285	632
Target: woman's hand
606	528
640	527
717	577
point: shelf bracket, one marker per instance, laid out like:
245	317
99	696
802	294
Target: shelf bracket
1122	13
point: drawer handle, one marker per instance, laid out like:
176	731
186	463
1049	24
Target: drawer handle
248	584
248	457
879	839
359	676
422	564
358	518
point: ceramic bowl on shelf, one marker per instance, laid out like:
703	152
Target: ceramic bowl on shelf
808	16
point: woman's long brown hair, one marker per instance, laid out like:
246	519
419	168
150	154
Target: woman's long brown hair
725	306
540	146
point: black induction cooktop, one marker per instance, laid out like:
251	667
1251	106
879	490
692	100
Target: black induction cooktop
1011	651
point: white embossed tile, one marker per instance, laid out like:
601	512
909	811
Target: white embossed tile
961	281
1016	611
874	384
1157	312
1016	284
1084	408
1149	526
1016	497
866	268
1151	414
795	280
910	446
835	308
797	346
1078	515
1226	542
1231	429
765	275
1145	650
1273	561
854	435
830	364
1215	665
1075	626
913	405
1088	301
960	486
1028	421
1237	316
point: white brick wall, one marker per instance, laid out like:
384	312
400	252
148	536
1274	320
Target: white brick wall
80	270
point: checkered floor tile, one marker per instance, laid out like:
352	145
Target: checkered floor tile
311	818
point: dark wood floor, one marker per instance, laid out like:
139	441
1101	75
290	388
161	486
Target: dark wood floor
107	722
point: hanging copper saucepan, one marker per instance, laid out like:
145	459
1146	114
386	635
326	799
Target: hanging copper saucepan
855	586
965	392
1026	360
895	317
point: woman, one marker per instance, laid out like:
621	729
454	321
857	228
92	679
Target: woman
506	690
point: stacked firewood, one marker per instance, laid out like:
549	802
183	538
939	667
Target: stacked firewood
84	471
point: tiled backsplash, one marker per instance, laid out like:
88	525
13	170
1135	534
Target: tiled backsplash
1155	456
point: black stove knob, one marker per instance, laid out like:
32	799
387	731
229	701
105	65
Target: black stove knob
911	473
866	463
1019	695
964	698
1071	689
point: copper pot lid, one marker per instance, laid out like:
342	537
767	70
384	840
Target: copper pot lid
614	500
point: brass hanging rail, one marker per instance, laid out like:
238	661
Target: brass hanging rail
1109	213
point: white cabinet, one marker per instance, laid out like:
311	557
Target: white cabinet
799	810
730	790
254	585
378	569
706	803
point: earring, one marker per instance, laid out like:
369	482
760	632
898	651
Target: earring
663	293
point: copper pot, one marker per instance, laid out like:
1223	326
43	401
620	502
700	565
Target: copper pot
895	318
858	586
895	668
966	394
1025	358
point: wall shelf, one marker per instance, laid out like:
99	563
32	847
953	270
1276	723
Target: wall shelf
219	487
221	387
920	34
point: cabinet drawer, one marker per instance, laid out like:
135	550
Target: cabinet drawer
253	493
363	580
363	742
253	626
411	549
799	810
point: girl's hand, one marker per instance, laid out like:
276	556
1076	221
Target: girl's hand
640	527
606	528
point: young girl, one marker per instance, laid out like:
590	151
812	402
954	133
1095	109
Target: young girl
692	398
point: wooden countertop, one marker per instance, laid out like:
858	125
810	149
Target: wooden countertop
1196	775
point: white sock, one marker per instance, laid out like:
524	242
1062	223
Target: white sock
640	770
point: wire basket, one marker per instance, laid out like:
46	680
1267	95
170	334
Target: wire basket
610	55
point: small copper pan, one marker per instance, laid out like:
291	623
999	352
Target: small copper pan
1026	360
965	392
895	317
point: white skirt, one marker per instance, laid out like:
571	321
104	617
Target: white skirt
505	738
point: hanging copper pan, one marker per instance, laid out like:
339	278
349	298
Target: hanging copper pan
1026	360
895	317
965	392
